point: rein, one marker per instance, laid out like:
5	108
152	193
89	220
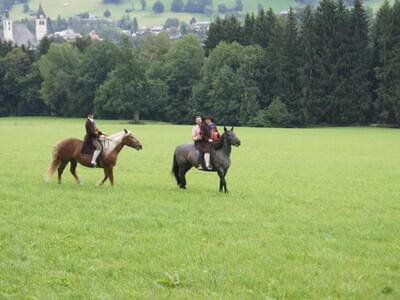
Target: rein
105	142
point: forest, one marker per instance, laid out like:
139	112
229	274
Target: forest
333	66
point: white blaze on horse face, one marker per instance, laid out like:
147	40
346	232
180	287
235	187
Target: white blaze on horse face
111	142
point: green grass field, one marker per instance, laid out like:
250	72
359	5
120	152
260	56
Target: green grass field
68	8
53	8
311	214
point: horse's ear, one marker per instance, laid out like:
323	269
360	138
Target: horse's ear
224	128
126	131
232	128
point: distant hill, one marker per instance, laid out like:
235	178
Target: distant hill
69	8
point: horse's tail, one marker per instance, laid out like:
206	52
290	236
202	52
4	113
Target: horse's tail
54	164
175	169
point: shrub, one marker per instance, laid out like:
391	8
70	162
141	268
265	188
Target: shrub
171	22
107	13
84	15
26	7
222	8
143	3
158	7
177	5
276	115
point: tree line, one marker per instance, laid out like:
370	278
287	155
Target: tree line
333	66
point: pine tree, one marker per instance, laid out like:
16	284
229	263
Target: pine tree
360	60
248	30
383	48
215	35
228	30
276	59
135	25
328	29
394	61
231	29
265	27
343	110
290	83
308	110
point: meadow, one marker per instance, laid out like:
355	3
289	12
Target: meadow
147	17
311	214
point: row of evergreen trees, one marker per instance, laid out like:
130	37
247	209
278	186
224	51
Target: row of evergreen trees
331	67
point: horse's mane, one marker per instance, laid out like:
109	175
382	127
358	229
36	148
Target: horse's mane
219	143
111	141
116	136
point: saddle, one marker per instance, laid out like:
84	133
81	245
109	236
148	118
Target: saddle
88	149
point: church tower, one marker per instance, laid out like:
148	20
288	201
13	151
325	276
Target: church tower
8	28
41	24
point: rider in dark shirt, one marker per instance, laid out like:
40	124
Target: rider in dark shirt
93	134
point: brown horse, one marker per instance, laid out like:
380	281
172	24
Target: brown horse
69	150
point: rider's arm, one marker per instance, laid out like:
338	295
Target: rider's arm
196	134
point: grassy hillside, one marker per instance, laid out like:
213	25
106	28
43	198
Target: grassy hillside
67	8
311	214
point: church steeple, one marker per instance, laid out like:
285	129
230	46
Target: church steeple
41	24
40	13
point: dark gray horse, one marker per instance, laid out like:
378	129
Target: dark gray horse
187	156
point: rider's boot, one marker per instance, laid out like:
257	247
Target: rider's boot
207	160
94	158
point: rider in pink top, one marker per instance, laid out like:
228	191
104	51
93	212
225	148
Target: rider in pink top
196	135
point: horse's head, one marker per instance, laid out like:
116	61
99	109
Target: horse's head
231	137
131	141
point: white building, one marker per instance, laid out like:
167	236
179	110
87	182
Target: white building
68	34
201	26
8	28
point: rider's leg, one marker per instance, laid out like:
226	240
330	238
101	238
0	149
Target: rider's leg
96	152
207	160
95	156
200	156
200	166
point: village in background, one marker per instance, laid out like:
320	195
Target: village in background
190	17
29	32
